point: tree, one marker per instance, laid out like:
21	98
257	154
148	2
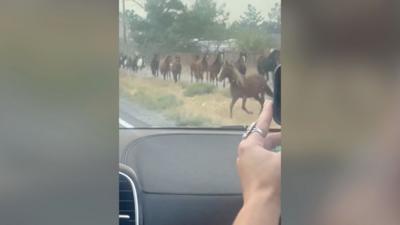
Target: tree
255	33
274	23
154	33
251	18
205	20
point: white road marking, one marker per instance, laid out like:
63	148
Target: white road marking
125	124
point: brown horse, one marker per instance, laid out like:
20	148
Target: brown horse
215	67
193	67
165	68
199	67
177	69
155	64
241	63
267	64
251	86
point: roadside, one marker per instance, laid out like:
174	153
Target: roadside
165	103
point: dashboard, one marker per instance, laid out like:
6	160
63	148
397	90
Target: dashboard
178	176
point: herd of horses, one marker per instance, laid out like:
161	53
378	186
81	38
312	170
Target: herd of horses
243	85
135	63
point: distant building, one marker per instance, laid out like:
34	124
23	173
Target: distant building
213	46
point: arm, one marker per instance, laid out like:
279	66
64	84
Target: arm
262	210
260	175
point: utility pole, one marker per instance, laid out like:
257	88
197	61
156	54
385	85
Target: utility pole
124	22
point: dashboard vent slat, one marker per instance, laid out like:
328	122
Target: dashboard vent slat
127	201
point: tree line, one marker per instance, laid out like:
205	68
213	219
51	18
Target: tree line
171	26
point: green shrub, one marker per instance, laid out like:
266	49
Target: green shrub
168	101
156	102
199	89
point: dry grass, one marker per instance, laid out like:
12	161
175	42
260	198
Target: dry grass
212	108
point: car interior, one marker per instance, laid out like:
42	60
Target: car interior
181	73
178	176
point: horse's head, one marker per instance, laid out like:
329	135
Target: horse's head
243	57
205	56
227	71
221	57
177	59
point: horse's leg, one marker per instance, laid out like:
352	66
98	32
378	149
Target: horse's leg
261	100
234	99
244	106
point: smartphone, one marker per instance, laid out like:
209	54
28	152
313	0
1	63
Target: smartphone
277	95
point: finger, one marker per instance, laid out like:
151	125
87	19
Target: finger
263	122
272	140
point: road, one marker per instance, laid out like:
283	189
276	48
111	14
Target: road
132	115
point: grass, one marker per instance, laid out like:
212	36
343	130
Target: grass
199	89
206	106
159	103
183	120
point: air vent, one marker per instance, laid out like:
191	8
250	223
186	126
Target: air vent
128	204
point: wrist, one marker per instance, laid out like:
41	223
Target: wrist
264	198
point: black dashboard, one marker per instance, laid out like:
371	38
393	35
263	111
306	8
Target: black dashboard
180	176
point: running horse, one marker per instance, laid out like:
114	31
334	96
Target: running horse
140	63
250	86
177	69
155	64
193	67
199	67
215	67
268	64
165	67
241	63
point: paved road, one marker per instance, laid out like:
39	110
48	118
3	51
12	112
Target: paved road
132	115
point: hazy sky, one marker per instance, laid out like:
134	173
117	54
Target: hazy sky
235	7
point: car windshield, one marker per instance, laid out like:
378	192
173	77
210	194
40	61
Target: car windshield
196	63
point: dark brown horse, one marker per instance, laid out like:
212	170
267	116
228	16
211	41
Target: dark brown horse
241	63
267	64
250	86
165	67
215	67
155	64
199	67
177	69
